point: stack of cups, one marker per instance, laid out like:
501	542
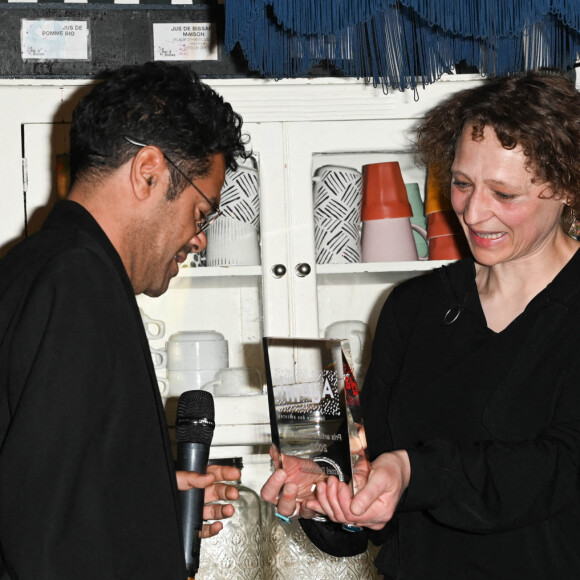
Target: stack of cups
446	238
387	231
234	238
337	207
194	358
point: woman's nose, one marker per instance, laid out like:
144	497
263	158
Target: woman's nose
476	208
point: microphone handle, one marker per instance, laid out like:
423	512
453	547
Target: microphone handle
192	457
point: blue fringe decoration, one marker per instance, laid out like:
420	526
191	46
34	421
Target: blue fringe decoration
406	43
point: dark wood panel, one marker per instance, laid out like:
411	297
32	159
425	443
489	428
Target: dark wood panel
120	34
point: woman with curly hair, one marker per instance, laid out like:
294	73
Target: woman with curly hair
471	402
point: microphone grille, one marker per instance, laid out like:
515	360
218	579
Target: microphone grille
195	418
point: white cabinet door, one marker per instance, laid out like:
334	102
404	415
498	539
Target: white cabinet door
242	302
225	299
44	146
267	142
34	119
333	292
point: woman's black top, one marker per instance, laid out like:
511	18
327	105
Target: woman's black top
491	421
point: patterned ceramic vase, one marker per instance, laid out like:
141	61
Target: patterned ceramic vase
337	210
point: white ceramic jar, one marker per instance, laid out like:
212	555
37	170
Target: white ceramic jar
193	359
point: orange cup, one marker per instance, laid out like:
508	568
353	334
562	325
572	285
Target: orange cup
384	192
449	247
435	198
443	223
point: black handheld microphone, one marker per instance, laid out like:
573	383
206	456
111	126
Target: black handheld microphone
194	431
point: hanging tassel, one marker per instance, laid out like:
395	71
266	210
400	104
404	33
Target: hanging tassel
308	17
402	44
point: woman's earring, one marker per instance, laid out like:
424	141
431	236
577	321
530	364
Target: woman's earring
574	230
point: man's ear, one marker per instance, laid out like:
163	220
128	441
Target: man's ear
148	170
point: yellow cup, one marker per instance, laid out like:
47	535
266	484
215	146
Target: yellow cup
435	199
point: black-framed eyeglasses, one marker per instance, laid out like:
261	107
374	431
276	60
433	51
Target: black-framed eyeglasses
206	221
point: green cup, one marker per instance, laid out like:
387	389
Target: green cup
419	219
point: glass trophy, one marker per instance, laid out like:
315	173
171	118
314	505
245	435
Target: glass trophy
314	408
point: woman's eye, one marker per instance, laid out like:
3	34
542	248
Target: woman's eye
504	196
461	185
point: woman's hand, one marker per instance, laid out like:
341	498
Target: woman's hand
290	487
213	492
375	502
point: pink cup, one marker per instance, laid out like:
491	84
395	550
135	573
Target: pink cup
389	240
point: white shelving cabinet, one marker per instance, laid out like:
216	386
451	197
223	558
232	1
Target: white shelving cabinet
296	126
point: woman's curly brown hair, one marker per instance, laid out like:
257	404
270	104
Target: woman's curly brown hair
539	111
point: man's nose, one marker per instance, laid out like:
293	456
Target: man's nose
198	243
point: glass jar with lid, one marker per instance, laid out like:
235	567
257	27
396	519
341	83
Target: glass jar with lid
237	551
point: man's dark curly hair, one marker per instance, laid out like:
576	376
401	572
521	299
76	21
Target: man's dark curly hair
156	104
539	111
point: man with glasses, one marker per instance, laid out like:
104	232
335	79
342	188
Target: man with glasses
88	488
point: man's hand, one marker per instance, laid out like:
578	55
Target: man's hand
290	487
214	490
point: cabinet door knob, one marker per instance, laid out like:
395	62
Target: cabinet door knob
303	269
278	270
